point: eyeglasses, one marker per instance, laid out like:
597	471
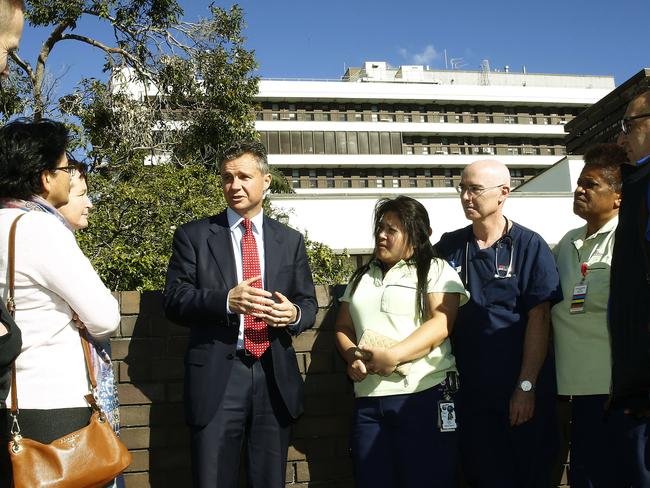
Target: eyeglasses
71	169
626	125
476	190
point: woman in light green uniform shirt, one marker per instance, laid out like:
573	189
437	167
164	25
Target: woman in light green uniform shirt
393	330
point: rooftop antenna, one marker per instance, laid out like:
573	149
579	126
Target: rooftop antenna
457	63
446	66
485	73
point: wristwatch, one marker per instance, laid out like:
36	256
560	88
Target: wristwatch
525	385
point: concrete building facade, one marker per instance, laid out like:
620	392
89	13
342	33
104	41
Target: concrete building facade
411	130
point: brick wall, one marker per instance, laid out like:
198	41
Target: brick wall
148	358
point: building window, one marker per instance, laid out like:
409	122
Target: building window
308	142
285	142
516	177
296	143
374	143
341	143
274	143
352	143
362	182
346	181
375	115
363	143
329	178
330	145
428	178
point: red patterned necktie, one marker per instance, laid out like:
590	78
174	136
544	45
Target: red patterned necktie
256	338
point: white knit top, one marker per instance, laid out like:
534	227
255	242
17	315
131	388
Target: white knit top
53	279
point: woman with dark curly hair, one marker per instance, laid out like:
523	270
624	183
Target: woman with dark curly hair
393	330
54	284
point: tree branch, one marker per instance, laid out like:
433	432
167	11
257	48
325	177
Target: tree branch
105	48
55	36
24	66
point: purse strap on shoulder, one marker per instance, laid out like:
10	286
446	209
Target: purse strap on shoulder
11	306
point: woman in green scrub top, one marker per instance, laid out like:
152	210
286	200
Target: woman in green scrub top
393	330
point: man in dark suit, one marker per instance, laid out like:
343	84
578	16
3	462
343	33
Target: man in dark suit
241	282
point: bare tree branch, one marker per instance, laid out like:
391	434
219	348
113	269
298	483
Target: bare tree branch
48	45
105	48
25	66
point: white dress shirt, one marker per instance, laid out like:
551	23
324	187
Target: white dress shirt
235	222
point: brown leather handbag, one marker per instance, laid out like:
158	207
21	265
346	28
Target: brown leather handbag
86	458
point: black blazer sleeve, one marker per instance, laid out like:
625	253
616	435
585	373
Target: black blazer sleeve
305	295
186	302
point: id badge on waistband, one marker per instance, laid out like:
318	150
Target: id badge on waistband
578	298
447	416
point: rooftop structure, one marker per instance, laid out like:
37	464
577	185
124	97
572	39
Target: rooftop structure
600	122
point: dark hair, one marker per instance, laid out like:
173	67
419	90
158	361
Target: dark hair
240	148
26	150
415	223
608	157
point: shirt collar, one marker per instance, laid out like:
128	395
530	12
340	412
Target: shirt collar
235	220
609	226
399	269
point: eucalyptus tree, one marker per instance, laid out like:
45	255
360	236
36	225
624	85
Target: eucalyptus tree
175	91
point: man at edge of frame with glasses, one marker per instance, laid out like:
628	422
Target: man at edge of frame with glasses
580	328
506	409
629	303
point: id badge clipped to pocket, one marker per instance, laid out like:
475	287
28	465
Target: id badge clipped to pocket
578	298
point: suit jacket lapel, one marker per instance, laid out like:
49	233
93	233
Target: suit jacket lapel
220	245
272	242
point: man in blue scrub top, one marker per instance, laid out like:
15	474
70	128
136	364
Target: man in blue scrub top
506	412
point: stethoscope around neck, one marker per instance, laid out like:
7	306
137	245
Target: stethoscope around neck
501	272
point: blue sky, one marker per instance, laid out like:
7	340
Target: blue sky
317	39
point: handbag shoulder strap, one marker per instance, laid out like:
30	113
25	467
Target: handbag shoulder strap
89	367
11	306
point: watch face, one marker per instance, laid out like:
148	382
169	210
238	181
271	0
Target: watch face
526	385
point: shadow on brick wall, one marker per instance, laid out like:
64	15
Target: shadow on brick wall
151	394
319	454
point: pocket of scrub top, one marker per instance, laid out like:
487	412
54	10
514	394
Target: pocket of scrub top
502	293
398	300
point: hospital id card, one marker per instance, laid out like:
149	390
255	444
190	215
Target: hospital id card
578	298
447	416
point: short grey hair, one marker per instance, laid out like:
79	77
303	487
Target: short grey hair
238	149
